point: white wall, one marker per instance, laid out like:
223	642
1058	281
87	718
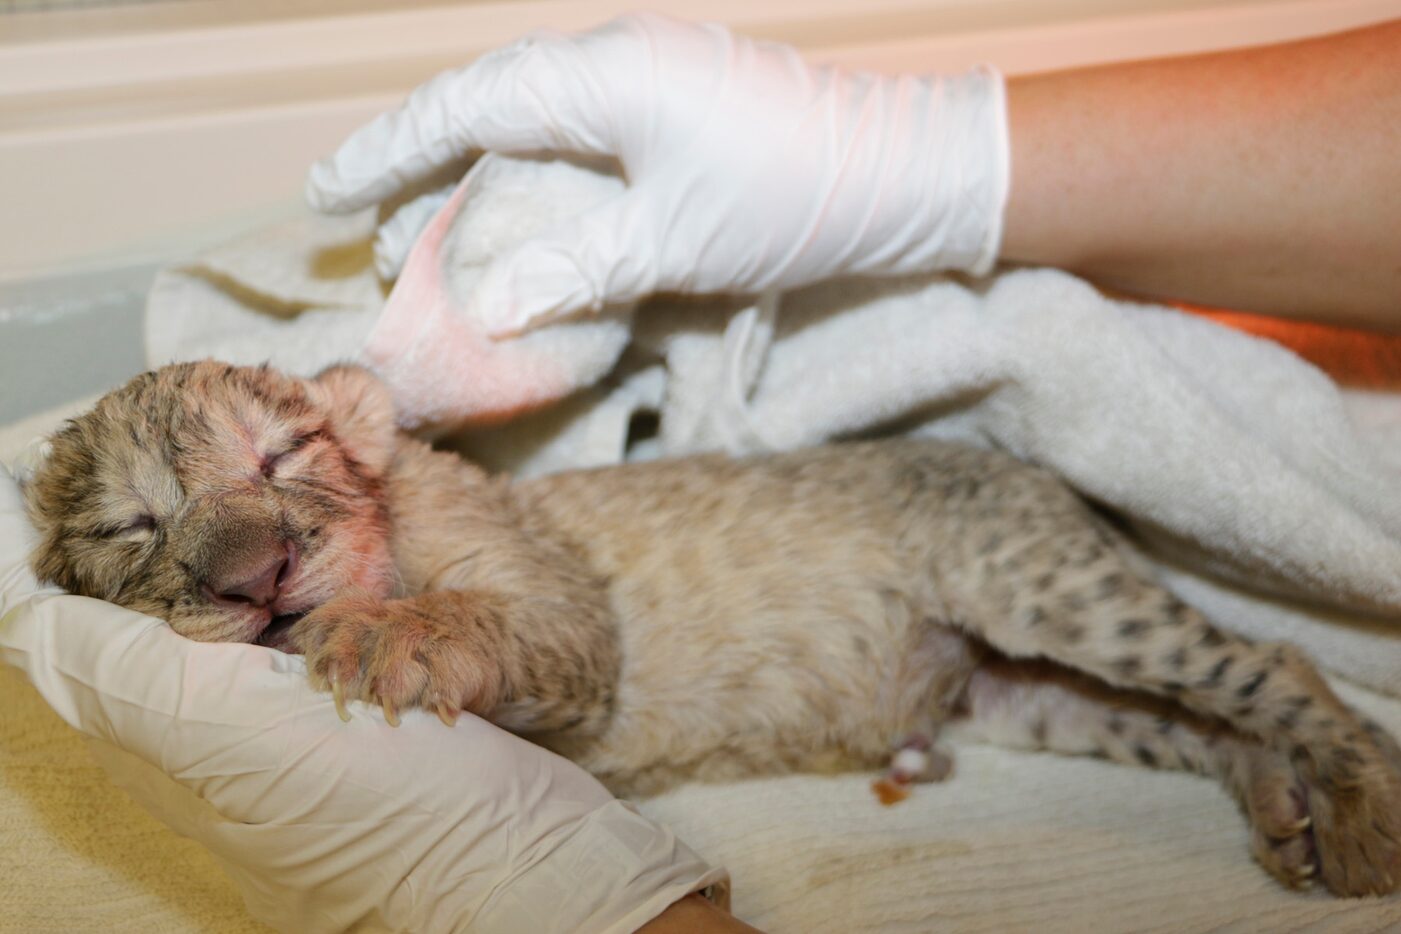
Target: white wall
140	133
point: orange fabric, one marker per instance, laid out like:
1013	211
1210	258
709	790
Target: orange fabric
1353	358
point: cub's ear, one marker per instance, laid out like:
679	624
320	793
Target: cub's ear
361	412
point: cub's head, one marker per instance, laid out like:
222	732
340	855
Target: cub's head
226	500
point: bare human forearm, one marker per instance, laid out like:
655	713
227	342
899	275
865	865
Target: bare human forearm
1264	179
695	915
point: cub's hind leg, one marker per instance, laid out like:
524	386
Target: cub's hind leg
1040	576
1038	705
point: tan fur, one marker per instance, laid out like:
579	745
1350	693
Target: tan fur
701	618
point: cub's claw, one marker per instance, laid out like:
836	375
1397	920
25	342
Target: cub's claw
338	693
391	716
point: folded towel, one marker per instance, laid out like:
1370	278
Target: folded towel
444	370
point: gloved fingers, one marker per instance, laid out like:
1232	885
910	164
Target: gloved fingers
540	93
605	256
396	235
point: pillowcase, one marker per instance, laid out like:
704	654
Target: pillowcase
325	825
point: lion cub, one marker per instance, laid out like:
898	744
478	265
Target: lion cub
701	618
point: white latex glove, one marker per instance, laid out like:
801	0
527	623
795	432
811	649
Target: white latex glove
748	169
324	825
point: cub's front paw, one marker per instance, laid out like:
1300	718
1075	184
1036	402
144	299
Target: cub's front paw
399	654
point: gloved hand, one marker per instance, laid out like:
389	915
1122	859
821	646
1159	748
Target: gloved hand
747	168
324	825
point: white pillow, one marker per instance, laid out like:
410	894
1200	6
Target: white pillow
325	825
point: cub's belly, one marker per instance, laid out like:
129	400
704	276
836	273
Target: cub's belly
754	679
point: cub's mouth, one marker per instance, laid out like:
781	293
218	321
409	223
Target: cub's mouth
276	635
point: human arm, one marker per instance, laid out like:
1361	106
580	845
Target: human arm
695	914
1264	179
747	168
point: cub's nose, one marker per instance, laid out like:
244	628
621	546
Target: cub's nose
259	588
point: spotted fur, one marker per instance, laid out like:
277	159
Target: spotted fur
702	618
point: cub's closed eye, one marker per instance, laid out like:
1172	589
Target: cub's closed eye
271	461
138	526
